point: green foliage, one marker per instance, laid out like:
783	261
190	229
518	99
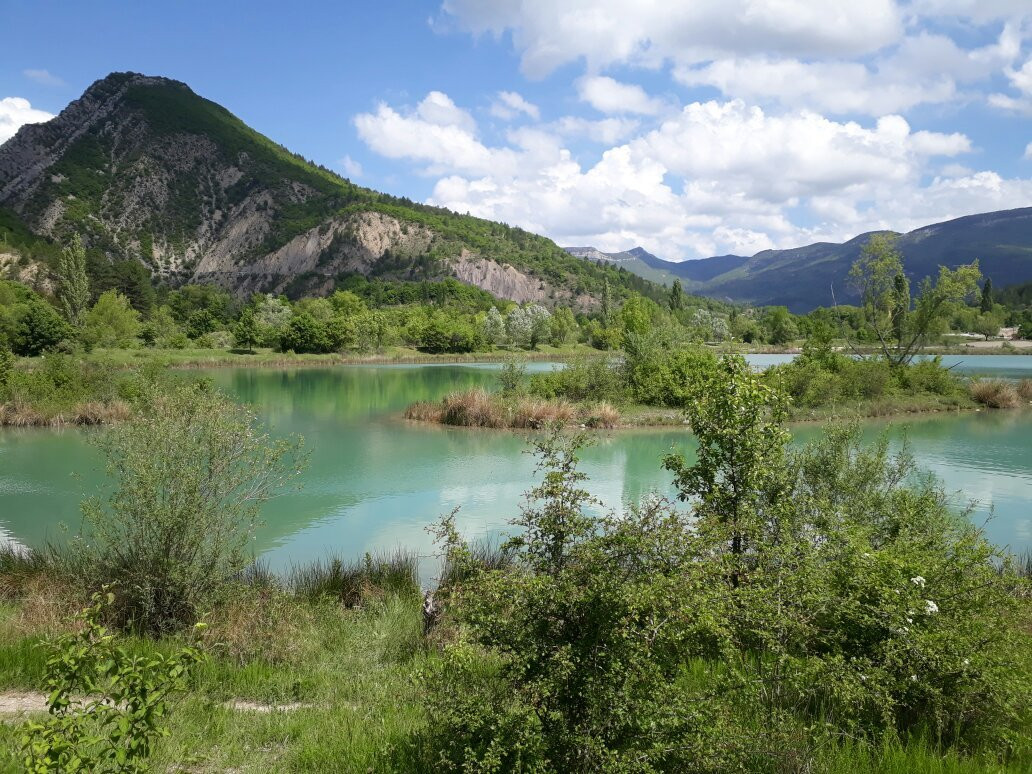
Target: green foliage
247	332
6	368
806	595
512	376
112	322
563	327
106	706
305	334
660	373
73	289
39	328
899	329
189	474
201	322
583	378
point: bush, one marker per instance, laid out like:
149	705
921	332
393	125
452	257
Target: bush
189	475
472	408
994	393
805	595
105	705
927	376
659	374
39	328
305	334
583	378
1024	388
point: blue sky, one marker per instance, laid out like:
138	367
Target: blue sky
693	129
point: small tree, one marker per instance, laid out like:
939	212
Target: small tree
986	302
189	475
494	327
563	327
73	284
902	327
247	332
737	420
105	704
39	328
676	300
112	322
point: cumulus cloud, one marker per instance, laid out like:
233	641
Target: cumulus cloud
352	168
712	178
14	112
550	33
608	95
508	105
43	77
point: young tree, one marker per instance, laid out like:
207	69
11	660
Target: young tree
189	475
247	332
73	284
676	296
563	327
738	422
986	303
901	326
39	328
112	322
494	326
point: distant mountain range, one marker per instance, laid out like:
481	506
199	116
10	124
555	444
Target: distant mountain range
146	170
816	275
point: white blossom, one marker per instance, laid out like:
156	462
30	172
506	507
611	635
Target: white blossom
917	580
931	607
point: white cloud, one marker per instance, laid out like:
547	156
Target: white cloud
1028	152
713	178
550	33
14	112
437	108
607	131
509	105
608	95
352	168
43	77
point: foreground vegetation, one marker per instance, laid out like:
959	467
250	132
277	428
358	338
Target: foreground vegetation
811	610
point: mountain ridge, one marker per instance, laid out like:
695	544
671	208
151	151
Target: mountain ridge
145	169
805	277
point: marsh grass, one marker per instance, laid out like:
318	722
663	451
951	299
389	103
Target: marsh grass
995	393
1024	390
353	582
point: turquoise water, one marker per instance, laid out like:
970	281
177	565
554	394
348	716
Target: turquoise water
376	481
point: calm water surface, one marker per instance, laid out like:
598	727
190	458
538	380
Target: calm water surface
376	481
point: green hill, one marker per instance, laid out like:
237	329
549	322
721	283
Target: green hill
147	170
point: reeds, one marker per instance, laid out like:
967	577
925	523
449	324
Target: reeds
995	393
478	408
353	581
535	413
18	414
471	408
602	415
1024	389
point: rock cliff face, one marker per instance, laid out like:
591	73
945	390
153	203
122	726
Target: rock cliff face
145	169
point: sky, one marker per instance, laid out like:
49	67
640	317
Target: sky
692	127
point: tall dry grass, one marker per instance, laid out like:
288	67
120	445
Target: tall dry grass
18	414
1024	389
602	415
534	413
472	408
995	393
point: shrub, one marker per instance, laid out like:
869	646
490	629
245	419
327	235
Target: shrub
535	413
472	408
994	393
105	705
660	375
583	378
40	328
112	322
927	376
190	472
602	415
1024	389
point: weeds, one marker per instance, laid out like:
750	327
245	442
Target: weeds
994	393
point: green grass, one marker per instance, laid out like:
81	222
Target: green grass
356	679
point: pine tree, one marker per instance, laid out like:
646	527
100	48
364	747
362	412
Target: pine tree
987	296
73	289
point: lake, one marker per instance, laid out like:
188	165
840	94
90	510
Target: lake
375	480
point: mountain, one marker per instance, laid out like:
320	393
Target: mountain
147	170
816	275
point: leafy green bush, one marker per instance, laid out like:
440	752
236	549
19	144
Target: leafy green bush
804	595
105	705
582	378
659	373
190	473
